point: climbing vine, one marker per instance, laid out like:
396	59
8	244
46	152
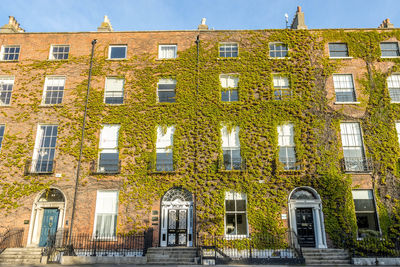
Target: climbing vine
198	114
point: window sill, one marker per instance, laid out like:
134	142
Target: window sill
358	172
116	59
235	237
346	103
340	57
228	58
110	105
5	106
50	105
391	57
57	60
162	172
9	61
394	102
162	59
280	58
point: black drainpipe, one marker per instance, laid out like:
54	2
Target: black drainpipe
81	148
196	144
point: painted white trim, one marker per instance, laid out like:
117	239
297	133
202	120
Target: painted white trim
35	225
318	216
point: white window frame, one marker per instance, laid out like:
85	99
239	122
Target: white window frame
226	44
369	192
166	81
287	142
165	142
398	49
161	46
108	147
2	125
280	87
106	90
38	146
333	57
2	52
110	47
231	142
234	77
235	196
394	77
51	52
6	80
47	82
343	89
397	125
114	214
275	43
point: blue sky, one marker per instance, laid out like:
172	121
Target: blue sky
137	15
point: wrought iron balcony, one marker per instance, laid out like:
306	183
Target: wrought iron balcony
232	164
162	163
39	166
356	164
109	166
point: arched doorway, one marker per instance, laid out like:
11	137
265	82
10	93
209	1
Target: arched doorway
47	216
306	218
176	218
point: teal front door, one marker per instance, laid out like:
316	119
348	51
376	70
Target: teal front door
49	225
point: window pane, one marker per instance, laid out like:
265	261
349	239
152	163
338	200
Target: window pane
230	205
109	162
240	205
164	162
230	224
241	224
118	52
367	221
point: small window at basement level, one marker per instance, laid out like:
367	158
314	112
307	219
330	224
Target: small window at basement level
53	90
2	128
228	50
6	87
229	85
59	52
344	88
10	52
367	219
393	82
166	90
117	52
390	49
114	91
167	51
338	50
235	214
278	50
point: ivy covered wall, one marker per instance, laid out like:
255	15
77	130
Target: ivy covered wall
197	116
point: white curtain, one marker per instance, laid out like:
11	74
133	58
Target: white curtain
229	81
285	135
230	139
165	139
115	84
351	134
109	137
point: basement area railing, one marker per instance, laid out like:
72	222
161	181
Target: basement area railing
11	238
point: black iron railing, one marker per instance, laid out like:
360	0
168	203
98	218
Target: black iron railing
39	166
356	164
253	249
83	244
238	164
11	238
105	167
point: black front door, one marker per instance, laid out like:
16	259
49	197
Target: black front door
305	227
177	227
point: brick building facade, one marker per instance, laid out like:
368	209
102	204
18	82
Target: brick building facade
217	132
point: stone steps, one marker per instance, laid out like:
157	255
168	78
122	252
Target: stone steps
172	256
21	256
326	256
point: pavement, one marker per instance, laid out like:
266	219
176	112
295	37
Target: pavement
151	265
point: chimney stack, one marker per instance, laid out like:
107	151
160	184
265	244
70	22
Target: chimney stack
203	25
105	26
12	26
298	21
386	24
